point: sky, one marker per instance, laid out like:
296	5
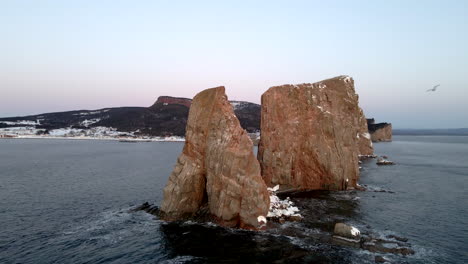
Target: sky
73	55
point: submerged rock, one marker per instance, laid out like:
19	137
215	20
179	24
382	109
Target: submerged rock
217	169
397	238
311	135
350	236
382	161
214	244
382	247
380	259
366	157
149	208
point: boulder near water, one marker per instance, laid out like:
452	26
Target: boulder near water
347	231
312	134
217	168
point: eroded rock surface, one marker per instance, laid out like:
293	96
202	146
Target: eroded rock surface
380	132
217	168
310	135
364	137
346	231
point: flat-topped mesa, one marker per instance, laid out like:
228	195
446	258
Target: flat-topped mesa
311	135
169	100
217	168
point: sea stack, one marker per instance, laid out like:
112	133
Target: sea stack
364	137
217	169
380	132
311	135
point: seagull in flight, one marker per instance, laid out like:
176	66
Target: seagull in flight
433	88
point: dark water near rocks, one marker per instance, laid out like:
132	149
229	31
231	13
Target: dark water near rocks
66	201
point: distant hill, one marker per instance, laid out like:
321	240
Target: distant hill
441	132
166	117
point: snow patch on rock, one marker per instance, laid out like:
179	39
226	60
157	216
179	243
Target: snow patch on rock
281	208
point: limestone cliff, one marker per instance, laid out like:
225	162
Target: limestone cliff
380	132
311	135
364	137
217	168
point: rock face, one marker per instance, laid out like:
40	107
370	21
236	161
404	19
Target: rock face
380	132
310	135
364	137
217	168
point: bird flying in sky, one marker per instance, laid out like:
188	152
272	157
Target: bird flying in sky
433	88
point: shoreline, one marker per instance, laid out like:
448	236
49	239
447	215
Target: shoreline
124	140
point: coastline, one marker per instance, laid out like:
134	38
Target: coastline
168	139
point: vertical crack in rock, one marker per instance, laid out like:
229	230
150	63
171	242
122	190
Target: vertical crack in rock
217	163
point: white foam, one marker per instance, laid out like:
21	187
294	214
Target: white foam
355	231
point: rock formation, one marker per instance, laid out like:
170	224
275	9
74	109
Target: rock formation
379	132
217	169
310	135
167	100
347	231
364	137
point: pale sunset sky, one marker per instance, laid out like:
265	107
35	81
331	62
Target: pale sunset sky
72	55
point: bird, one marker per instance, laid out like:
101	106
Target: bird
433	88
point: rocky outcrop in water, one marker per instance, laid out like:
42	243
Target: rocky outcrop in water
364	137
310	135
380	132
382	161
346	231
217	170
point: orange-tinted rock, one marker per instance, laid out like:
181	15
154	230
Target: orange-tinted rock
382	132
310	135
217	167
364	137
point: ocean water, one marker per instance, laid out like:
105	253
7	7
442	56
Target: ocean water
69	201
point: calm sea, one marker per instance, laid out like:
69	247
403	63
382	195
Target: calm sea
68	201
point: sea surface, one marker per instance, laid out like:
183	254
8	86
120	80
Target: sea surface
70	201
